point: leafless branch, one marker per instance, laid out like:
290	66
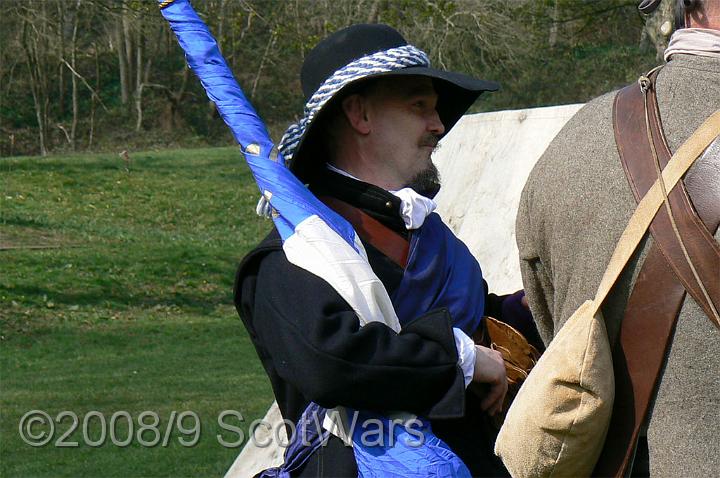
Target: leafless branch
90	88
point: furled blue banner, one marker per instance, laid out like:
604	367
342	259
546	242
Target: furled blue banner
287	195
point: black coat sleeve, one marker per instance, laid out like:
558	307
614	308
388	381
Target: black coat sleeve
316	343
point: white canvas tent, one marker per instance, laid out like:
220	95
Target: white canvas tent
484	163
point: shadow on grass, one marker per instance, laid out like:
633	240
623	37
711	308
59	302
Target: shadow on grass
181	161
190	301
15	220
63	166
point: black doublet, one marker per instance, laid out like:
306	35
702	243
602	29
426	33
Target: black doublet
313	349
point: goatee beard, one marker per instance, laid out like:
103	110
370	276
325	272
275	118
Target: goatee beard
426	182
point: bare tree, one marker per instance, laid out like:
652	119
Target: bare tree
122	57
93	99
35	48
170	118
60	4
125	48
126	20
139	43
552	38
73	63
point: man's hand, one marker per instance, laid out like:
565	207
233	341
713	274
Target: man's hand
490	370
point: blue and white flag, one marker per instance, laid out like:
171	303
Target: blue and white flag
314	236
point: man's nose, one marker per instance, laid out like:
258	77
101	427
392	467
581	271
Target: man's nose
435	126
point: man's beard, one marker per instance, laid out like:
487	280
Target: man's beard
426	182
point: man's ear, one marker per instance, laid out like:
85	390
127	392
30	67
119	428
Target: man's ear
355	109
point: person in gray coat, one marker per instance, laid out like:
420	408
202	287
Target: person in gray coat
574	207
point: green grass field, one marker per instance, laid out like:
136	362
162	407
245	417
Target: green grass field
116	295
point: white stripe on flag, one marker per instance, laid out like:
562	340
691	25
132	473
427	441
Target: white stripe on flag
318	249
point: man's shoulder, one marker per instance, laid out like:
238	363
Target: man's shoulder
270	242
579	172
250	264
578	145
590	121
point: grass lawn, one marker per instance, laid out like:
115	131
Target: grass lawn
116	295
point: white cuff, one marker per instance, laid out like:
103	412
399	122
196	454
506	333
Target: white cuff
466	354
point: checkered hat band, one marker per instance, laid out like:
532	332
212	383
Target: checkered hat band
379	62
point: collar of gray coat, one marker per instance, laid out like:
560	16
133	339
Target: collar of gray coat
694	41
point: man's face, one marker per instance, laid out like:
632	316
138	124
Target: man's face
405	128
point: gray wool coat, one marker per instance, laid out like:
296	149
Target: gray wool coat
573	209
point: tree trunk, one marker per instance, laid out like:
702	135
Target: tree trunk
268	47
93	99
552	39
374	12
61	65
170	119
40	102
122	64
143	73
128	41
73	57
211	109
139	81
221	25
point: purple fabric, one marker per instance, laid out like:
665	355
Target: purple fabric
309	436
514	313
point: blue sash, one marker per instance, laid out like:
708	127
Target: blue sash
441	272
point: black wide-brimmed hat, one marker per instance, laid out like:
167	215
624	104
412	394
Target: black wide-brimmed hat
358	53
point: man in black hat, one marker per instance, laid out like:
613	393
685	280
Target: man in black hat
375	111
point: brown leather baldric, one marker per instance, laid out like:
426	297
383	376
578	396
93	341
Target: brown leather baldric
701	246
372	231
665	276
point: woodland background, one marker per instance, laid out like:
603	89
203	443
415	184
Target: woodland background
108	75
